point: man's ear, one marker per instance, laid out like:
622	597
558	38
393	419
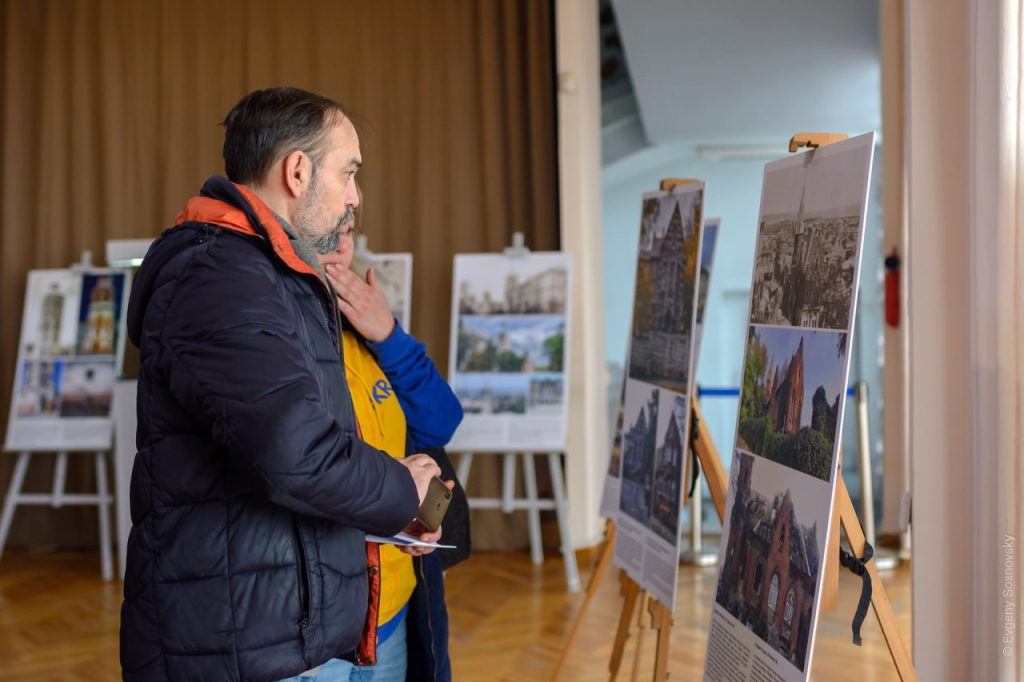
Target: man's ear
298	173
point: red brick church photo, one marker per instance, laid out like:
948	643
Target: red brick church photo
770	569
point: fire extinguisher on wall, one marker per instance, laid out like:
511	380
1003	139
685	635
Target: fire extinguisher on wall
892	289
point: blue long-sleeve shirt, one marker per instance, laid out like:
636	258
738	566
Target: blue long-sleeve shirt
432	411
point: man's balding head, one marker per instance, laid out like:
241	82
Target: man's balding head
267	124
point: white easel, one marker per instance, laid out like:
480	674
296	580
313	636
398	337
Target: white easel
57	497
532	504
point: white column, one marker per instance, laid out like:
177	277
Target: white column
966	336
996	322
579	156
938	158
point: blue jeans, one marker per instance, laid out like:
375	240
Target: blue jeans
391	664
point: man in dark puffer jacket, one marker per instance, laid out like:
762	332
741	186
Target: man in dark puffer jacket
251	491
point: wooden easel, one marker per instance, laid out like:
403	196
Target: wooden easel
844	515
661	616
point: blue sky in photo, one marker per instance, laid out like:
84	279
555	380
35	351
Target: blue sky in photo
810	496
636	398
526	332
822	367
708	245
670	404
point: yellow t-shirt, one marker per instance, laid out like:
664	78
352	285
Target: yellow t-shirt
382	425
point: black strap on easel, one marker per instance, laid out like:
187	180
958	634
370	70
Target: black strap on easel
859	567
694	423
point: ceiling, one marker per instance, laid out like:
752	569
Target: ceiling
731	74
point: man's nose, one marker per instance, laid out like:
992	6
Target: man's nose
352	194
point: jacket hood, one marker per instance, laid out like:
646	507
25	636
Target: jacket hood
220	203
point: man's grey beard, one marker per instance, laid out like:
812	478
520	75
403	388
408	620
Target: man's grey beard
328	243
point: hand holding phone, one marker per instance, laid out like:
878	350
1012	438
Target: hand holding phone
435	504
422	468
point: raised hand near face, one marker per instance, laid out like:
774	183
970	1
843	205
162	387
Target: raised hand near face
363	303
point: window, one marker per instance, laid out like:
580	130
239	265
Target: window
773	595
787	615
758	575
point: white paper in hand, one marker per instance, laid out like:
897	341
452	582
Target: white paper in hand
406	540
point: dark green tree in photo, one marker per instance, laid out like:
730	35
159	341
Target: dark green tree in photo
507	361
754	369
811	452
554	347
821	411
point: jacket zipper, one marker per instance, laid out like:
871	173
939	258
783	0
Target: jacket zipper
207	230
303	581
430	620
332	296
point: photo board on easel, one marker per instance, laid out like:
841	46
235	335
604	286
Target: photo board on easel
795	370
659	389
509	351
613	477
69	352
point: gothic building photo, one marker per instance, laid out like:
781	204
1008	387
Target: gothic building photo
771	558
668	466
790	400
638	448
615	461
666	275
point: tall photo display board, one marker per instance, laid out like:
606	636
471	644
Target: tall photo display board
658	389
613	477
68	353
795	370
508	356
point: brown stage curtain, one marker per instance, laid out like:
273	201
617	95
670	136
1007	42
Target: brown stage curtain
110	112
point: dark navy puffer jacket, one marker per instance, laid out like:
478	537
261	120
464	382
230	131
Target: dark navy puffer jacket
251	492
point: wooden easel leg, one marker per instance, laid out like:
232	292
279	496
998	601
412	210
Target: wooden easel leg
879	597
630	592
645	602
830	585
661	620
604	558
710	462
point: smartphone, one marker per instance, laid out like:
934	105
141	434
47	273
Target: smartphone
435	504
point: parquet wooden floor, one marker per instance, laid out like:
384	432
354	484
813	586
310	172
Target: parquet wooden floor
509	621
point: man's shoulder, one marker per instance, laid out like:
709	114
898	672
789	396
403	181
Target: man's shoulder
214	252
209	264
